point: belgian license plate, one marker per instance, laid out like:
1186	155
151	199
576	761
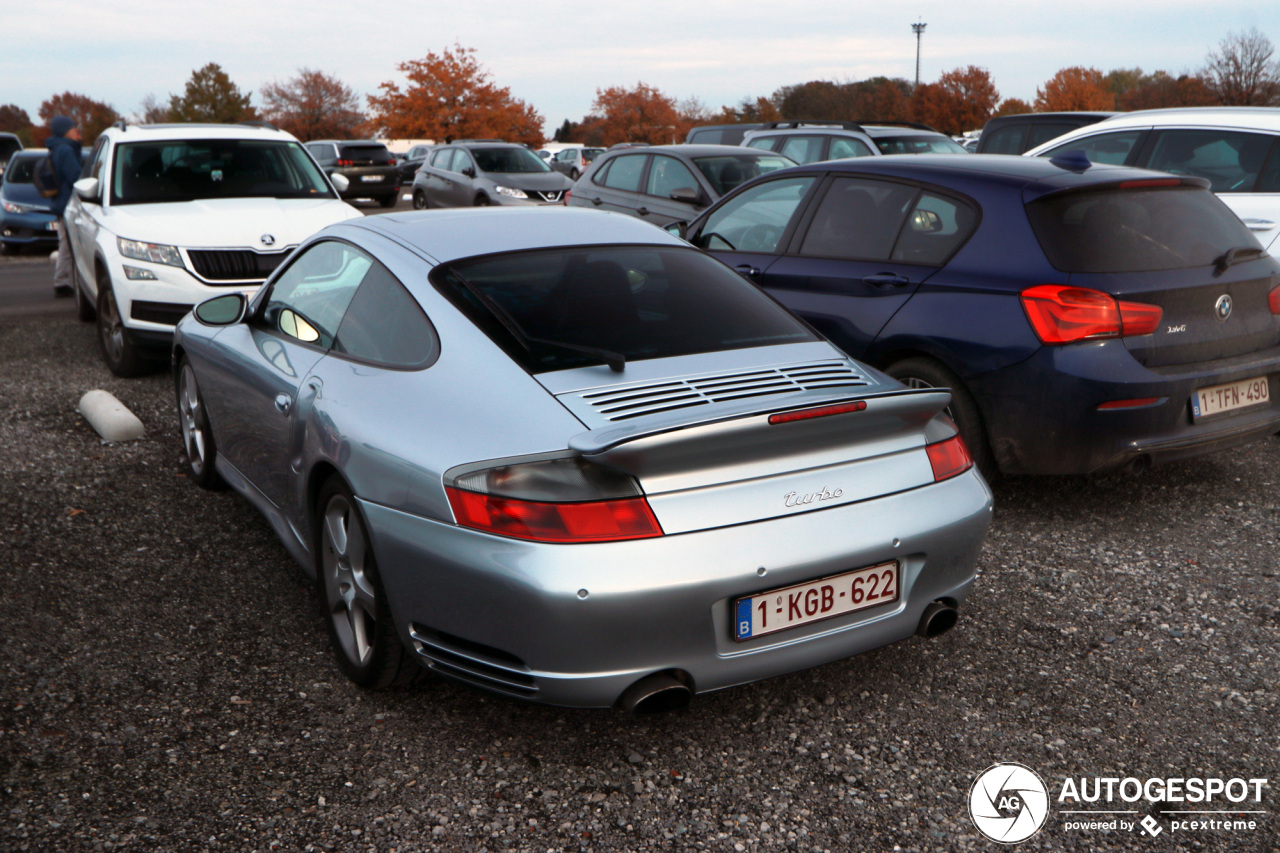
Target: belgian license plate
792	606
371	179
1233	395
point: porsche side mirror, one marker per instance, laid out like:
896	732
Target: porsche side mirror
225	310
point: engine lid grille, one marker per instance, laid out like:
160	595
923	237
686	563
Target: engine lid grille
625	402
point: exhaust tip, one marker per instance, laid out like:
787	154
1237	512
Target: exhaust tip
657	693
939	618
1138	465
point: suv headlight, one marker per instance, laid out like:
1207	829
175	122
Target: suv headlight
511	192
153	252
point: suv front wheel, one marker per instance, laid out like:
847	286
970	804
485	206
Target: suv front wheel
118	351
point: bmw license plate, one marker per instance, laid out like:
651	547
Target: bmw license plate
371	179
1233	395
792	606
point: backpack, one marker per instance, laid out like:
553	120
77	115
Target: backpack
44	177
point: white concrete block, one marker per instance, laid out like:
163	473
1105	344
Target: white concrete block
110	417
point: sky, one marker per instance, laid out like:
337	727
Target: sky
555	55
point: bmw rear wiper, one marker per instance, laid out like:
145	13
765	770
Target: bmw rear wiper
1230	256
616	360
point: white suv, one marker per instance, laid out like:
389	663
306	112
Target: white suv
166	216
1236	148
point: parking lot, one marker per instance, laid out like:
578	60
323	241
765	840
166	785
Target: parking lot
166	682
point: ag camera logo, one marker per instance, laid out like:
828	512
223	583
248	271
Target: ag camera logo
1009	803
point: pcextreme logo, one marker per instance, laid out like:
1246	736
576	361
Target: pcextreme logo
1010	802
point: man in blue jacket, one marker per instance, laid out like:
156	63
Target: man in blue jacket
64	151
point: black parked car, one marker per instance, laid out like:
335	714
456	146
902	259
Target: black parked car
1016	134
366	164
669	183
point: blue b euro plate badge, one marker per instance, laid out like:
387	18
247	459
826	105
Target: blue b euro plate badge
825	598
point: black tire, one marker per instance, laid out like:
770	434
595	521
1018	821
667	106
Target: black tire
389	200
120	354
482	201
574	174
85	311
356	613
921	372
420	200
198	445
9	248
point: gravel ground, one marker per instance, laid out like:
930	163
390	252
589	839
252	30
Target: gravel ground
165	682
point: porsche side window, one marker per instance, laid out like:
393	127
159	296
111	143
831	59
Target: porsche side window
308	300
385	325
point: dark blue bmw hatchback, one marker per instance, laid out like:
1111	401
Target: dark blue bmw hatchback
1084	316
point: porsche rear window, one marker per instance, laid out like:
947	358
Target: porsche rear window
1136	229
555	309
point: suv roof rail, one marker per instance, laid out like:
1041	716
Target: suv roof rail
843	125
122	124
912	124
457	141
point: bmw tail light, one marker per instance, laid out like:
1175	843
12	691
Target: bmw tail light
949	458
554	500
1060	314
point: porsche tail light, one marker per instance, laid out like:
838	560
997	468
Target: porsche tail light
949	458
1060	314
555	500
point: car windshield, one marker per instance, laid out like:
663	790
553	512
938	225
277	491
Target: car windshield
555	309
726	171
1136	229
192	169
20	170
506	160
917	145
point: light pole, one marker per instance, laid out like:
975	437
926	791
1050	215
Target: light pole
919	31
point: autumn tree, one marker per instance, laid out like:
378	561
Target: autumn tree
151	111
14	119
1075	88
877	98
1241	72
639	114
92	117
211	96
450	96
758	111
1158	90
312	105
962	99
1012	107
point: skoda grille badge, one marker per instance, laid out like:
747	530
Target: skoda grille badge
1222	308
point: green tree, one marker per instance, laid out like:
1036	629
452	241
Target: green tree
211	96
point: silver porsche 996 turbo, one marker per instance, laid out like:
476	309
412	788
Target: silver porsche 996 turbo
564	456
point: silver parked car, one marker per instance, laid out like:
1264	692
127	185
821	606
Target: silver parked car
486	172
564	456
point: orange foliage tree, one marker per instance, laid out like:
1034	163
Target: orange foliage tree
92	117
1162	90
747	110
450	96
961	100
1075	88
1012	107
639	114
312	105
